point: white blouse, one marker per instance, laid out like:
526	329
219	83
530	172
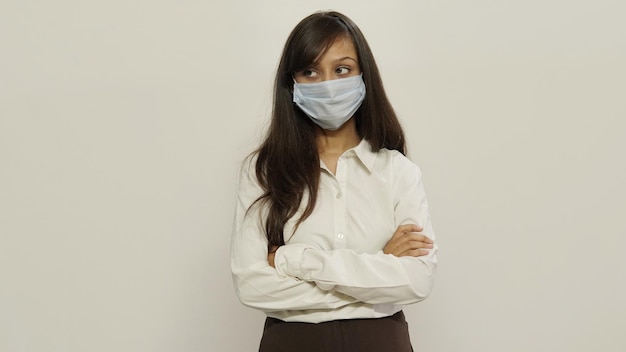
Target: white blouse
332	266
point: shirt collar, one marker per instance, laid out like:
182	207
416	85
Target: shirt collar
364	152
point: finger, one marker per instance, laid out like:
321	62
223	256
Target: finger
412	239
419	244
399	233
414	253
419	252
405	229
404	248
414	245
419	237
410	228
424	245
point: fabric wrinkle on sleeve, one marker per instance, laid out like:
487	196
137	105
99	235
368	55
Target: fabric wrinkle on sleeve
257	284
374	278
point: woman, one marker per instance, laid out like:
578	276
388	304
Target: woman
332	234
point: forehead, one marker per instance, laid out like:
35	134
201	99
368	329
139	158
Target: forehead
340	48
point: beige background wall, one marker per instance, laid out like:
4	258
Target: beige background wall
122	124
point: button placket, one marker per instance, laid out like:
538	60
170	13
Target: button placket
340	204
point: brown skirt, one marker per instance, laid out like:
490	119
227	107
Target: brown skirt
389	334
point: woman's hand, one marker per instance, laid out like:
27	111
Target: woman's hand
271	254
408	241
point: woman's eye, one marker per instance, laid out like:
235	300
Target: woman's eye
342	70
309	73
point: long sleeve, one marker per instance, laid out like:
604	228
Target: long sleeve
257	284
374	278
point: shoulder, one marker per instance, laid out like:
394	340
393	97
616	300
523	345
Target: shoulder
398	162
247	171
249	162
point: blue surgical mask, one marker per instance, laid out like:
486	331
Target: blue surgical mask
330	103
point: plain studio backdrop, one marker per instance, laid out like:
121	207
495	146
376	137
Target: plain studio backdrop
123	125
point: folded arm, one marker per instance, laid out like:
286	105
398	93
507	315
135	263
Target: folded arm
257	284
375	278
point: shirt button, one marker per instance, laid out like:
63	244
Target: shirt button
338	195
340	236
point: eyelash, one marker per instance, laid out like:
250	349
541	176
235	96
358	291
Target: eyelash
307	73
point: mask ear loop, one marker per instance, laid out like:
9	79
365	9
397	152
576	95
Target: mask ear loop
294	82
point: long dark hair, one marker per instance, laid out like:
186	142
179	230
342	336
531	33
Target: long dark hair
287	164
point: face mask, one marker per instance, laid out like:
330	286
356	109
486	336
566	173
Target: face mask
330	103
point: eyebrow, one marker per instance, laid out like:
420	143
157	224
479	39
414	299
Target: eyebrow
315	64
346	58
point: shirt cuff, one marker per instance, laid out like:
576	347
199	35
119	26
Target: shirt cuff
288	258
